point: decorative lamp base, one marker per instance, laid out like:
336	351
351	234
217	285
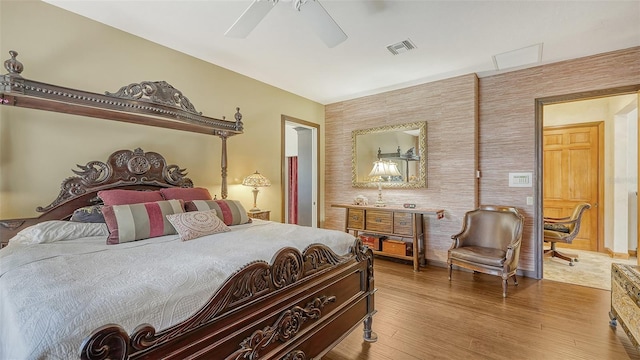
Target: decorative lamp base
379	201
255	199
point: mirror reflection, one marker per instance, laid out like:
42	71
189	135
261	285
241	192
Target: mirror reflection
393	156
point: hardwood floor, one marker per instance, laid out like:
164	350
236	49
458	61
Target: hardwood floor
424	316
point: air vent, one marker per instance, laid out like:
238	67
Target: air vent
401	47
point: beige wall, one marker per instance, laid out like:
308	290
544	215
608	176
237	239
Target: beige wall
450	109
38	149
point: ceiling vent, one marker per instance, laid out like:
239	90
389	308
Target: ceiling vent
401	47
518	58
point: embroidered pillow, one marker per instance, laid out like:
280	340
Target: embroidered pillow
186	194
125	197
140	221
88	214
231	212
195	224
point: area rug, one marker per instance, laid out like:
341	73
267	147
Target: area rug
593	269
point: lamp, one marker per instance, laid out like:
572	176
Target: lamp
256	180
380	170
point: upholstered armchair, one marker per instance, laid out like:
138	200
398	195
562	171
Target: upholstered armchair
489	242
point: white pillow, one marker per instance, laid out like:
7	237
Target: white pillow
57	230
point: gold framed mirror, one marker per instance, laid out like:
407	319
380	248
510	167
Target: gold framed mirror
402	148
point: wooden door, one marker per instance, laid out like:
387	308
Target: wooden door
572	174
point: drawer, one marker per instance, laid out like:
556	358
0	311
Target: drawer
373	241
356	219
377	220
396	247
402	223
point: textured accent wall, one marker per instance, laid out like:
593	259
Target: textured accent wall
450	109
507	123
504	137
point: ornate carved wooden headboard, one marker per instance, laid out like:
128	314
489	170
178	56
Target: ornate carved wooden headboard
124	169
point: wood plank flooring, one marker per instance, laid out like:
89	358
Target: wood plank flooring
424	316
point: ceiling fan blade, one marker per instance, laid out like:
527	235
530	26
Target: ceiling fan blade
323	24
250	18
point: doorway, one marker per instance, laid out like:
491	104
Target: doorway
610	244
300	171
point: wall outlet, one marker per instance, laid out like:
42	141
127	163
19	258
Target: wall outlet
529	200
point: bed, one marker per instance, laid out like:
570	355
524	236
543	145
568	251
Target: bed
289	293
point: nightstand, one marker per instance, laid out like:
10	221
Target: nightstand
262	214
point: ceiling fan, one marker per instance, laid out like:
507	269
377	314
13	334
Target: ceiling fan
313	13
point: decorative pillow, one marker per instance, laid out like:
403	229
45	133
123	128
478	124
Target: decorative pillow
140	221
57	230
125	197
186	194
88	214
556	227
230	211
195	224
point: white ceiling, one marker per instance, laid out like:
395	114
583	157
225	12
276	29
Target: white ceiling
452	38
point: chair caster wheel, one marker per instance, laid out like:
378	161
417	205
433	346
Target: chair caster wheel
571	263
576	260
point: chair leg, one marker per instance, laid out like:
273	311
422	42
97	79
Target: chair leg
571	258
504	288
450	270
515	280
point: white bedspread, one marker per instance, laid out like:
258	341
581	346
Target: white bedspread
53	295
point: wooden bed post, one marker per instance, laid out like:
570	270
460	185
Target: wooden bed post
224	134
223	163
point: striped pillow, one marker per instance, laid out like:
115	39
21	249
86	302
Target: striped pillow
140	221
231	212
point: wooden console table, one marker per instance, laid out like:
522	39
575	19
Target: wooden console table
394	222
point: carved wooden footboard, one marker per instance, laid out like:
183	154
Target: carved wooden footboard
298	307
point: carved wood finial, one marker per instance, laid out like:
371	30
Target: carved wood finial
13	66
238	117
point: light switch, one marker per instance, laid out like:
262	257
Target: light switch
529	200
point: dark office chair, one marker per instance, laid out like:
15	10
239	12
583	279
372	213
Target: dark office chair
563	230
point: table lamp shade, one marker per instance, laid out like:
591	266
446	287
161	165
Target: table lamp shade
384	168
256	180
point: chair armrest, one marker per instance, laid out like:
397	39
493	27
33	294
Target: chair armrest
512	255
554	219
561	221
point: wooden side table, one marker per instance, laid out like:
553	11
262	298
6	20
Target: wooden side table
262	214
